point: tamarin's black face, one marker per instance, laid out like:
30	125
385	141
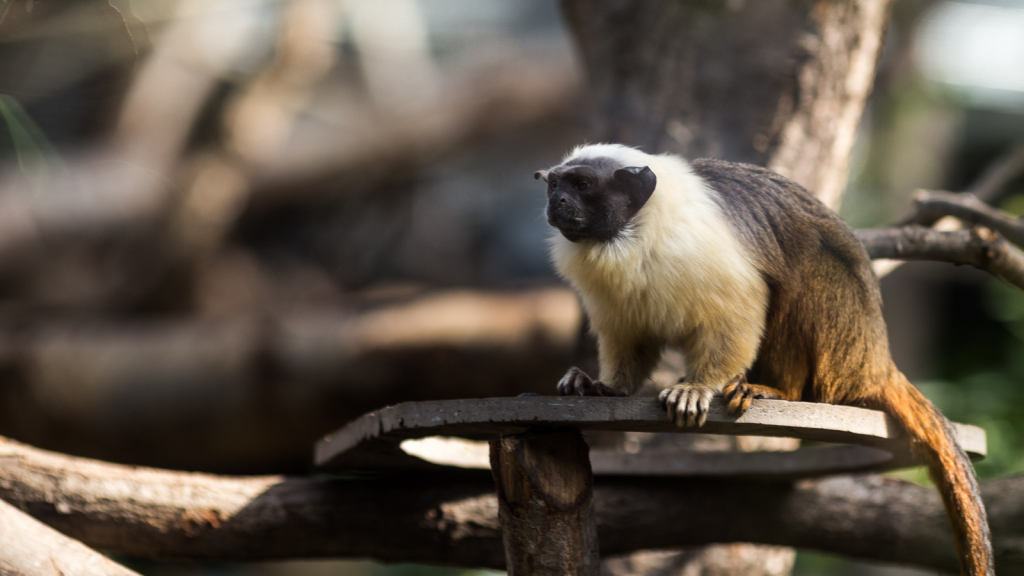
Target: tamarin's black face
595	198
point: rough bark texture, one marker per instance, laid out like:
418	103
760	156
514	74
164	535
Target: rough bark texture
979	247
545	504
770	82
454	519
931	206
833	82
696	78
161	514
31	548
947	212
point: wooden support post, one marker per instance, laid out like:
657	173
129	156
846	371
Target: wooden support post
545	503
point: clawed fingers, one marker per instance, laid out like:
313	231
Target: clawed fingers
739	401
687	404
577	383
572	381
740	395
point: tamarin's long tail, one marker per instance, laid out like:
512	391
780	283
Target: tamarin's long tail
933	438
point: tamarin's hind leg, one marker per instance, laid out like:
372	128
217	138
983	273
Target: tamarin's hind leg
740	393
577	383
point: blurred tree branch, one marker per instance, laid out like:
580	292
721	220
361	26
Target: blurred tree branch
931	206
452	519
32	548
942	215
979	246
254	392
104	201
134	218
80	53
474	104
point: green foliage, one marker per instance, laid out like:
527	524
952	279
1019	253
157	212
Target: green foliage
975	390
814	564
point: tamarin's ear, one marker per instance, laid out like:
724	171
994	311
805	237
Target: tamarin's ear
638	182
541	175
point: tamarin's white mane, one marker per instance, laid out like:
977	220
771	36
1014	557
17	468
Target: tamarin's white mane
676	268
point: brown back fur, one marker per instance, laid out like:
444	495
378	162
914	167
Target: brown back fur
825	338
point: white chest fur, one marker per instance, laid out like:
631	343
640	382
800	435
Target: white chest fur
677	268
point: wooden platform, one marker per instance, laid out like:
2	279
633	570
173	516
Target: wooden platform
860	439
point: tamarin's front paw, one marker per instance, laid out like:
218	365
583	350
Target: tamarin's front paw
687	404
739	393
577	383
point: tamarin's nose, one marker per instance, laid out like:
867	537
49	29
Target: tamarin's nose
561	200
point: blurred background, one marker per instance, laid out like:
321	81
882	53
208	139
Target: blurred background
229	226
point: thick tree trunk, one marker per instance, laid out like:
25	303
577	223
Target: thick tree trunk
771	82
546	504
833	83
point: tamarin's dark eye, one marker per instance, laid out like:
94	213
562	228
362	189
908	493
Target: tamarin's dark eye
553	182
583	184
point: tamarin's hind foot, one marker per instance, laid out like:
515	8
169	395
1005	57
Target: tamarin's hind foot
739	393
687	404
577	383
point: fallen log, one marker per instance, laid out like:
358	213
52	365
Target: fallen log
452	519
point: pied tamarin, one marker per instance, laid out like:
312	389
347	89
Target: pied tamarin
750	277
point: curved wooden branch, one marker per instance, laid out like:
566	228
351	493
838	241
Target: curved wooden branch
453	519
31	548
980	247
931	206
